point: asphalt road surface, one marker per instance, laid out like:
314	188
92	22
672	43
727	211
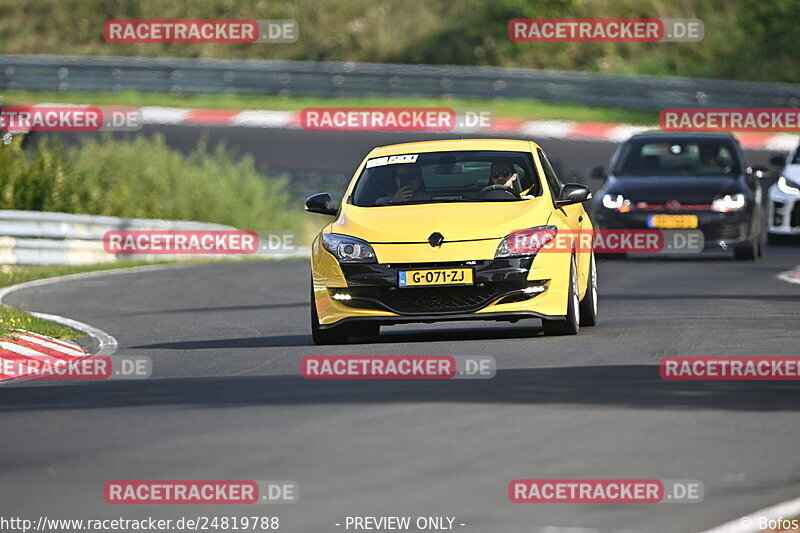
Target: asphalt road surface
226	400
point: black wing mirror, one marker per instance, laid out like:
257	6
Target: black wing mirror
596	172
321	203
573	193
777	161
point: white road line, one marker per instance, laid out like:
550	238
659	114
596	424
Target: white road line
108	344
750	523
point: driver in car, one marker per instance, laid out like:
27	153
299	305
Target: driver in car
709	155
409	186
502	173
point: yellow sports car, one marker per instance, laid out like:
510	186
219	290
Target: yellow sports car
452	230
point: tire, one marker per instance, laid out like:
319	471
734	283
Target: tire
365	329
775	238
746	252
588	307
571	324
334	335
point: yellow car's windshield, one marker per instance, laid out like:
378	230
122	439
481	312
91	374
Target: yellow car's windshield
437	177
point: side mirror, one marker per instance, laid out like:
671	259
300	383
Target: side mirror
777	161
573	193
321	203
596	172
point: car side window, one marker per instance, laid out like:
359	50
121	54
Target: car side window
552	179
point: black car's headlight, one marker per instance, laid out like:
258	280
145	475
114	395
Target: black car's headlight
729	202
348	249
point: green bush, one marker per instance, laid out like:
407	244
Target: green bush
144	178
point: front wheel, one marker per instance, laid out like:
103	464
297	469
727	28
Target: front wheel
746	252
776	238
588	308
571	323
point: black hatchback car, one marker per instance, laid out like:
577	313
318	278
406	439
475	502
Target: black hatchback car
683	181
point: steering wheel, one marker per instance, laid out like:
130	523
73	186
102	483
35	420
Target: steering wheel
502	190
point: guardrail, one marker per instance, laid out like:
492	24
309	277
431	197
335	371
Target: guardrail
39	238
331	79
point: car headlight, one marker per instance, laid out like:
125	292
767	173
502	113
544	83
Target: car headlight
729	202
526	241
788	187
348	249
616	201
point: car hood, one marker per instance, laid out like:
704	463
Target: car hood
455	221
685	189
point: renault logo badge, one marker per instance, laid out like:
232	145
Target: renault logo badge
436	239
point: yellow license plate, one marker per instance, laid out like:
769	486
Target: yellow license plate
674	221
439	276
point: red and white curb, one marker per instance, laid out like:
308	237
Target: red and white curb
790	276
535	129
32	353
41	348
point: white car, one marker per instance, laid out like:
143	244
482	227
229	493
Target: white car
784	198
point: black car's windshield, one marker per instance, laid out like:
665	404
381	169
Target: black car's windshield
439	177
711	157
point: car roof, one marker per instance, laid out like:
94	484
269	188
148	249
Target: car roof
453	145
680	136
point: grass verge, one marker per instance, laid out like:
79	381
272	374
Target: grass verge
519	109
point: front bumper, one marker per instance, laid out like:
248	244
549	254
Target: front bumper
503	289
500	280
719	229
783	212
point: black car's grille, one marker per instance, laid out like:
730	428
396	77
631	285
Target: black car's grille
723	231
